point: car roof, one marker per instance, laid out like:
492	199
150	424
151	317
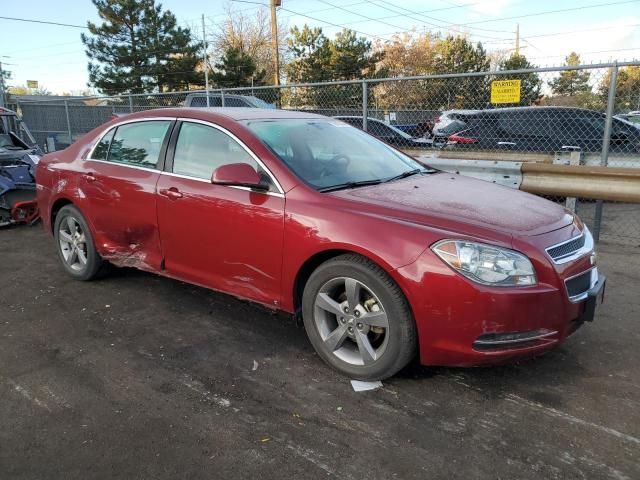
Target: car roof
234	113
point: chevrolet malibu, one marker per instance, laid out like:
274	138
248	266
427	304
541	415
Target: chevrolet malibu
382	257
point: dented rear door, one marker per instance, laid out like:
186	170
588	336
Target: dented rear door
117	187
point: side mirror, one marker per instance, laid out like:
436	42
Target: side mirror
239	175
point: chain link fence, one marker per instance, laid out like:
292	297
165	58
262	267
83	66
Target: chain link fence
583	115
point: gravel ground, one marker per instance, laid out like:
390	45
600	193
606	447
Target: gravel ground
138	377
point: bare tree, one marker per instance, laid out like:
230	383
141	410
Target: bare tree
250	34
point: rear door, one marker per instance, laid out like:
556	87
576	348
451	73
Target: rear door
117	191
223	237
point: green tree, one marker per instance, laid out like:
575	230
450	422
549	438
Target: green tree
237	69
627	89
571	82
459	55
311	56
139	48
351	57
530	83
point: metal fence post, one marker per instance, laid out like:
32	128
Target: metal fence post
606	140
222	97
130	103
365	105
66	112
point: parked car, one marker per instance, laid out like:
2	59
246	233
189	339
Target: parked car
382	256
387	133
230	100
533	129
19	155
631	117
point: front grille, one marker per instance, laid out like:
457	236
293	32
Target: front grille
567	249
579	285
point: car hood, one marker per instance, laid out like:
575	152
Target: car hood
446	200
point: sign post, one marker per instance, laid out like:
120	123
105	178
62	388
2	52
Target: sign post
32	83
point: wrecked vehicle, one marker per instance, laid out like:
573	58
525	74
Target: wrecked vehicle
19	155
382	257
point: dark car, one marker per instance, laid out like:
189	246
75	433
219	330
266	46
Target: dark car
387	133
381	257
229	99
533	129
19	155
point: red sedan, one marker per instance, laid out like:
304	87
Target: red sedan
382	256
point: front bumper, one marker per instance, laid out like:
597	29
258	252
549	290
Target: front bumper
461	323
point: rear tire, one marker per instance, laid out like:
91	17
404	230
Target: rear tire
75	246
357	318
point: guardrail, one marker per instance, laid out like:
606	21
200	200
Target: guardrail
598	183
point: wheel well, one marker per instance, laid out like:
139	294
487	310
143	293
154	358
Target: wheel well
57	205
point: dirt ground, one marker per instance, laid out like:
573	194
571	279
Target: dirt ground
141	377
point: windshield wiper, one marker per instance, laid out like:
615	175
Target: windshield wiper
409	173
342	186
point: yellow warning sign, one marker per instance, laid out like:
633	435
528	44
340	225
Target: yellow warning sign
505	91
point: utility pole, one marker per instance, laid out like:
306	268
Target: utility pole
2	104
204	58
274	41
518	39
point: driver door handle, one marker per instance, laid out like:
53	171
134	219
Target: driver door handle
89	177
172	193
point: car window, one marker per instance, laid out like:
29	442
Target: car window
235	102
356	122
201	149
529	123
138	143
576	125
327	153
102	148
379	129
214	101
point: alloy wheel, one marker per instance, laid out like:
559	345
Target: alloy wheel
351	321
73	244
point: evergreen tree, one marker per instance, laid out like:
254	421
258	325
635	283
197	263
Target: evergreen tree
311	56
459	55
237	69
139	48
530	83
351	57
571	82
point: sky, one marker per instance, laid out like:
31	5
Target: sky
599	30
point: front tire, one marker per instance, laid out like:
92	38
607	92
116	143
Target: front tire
358	319
74	244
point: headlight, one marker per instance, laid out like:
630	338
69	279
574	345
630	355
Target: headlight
486	264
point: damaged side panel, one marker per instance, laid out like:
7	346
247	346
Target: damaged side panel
121	202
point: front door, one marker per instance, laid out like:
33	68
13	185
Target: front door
223	237
117	192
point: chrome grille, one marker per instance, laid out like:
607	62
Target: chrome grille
566	249
571	249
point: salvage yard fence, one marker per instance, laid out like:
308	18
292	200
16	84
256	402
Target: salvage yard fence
581	118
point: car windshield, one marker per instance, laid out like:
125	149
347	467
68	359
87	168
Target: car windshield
330	154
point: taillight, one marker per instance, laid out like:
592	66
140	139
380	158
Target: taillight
460	139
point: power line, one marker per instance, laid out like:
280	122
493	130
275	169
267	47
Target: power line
546	12
46	22
382	21
570	32
331	24
436	19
